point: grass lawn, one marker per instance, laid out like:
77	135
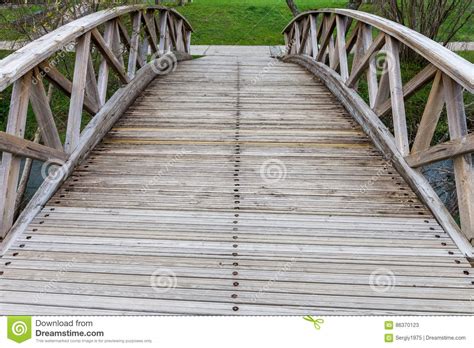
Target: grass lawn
244	22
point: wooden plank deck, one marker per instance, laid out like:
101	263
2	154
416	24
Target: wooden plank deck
236	185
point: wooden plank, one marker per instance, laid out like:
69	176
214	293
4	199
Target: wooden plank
77	94
429	119
63	84
365	61
420	80
341	23
109	56
10	163
44	116
128	41
92	90
446	150
163	26
134	44
330	24
25	148
313	36
103	75
150	29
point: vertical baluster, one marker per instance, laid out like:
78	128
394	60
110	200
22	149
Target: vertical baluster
314	36
103	78
163	26
77	95
366	32
396	92
341	47
134	42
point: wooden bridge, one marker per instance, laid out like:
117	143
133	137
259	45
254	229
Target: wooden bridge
236	183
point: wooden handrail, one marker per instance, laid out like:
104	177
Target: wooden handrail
26	58
442	58
27	68
451	76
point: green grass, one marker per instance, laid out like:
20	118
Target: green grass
243	22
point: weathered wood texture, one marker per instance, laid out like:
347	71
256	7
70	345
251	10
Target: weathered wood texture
451	76
230	200
29	66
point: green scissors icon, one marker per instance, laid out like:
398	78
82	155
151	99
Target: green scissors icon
316	322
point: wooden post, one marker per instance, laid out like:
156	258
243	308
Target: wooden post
463	171
10	169
78	89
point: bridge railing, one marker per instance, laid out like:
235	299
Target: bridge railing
134	49
344	48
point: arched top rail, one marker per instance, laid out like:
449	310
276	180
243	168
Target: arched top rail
23	60
442	58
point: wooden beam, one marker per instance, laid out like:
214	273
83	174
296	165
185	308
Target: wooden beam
77	95
117	45
329	28
463	171
10	163
62	83
396	92
449	149
383	90
313	36
126	38
163	26
92	90
366	59
341	46
25	148
410	88
134	44
44	116
150	30
304	36
103	76
429	119
109	56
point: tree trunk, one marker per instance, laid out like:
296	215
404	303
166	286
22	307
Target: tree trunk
294	9
354	4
